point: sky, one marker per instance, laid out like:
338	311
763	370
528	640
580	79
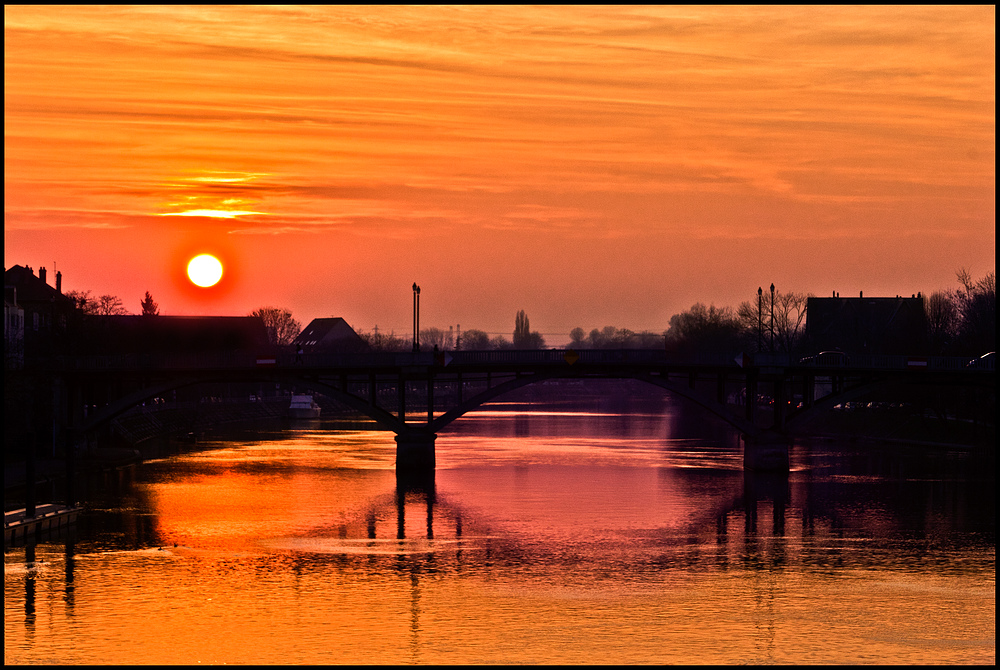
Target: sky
593	166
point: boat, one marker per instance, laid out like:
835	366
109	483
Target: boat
303	407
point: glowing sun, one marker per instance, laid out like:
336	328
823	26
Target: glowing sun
205	270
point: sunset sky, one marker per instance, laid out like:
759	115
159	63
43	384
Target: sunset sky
593	166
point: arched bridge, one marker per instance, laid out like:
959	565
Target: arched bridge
417	394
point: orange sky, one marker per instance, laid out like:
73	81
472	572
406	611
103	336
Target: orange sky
593	166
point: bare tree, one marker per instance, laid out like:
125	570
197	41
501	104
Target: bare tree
110	305
789	320
82	300
942	321
382	341
976	303
438	337
281	327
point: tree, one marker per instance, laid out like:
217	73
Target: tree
281	327
437	337
522	333
789	321
149	307
110	305
106	305
475	340
976	303
942	321
704	329
577	336
380	341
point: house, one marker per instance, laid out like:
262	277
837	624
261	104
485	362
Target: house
13	329
45	313
867	325
329	335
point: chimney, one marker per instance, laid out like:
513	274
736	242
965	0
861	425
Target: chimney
41	275
58	281
861	294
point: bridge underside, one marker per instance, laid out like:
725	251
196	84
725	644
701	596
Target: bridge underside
418	401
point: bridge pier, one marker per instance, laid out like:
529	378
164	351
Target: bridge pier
415	450
765	454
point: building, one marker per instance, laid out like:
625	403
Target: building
13	329
44	312
867	325
328	336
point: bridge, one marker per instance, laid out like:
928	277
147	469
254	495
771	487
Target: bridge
417	394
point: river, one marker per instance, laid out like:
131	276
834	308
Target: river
610	529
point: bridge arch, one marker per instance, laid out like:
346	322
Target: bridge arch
480	399
388	420
113	410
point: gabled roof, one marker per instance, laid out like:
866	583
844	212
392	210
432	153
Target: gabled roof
330	334
31	288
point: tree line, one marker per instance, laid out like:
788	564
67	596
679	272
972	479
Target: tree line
958	322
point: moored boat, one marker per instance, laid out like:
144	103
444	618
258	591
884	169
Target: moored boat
303	407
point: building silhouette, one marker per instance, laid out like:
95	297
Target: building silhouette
329	335
867	325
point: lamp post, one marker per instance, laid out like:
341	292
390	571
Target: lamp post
416	317
760	320
772	318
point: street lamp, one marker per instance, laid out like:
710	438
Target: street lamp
772	318
760	320
416	317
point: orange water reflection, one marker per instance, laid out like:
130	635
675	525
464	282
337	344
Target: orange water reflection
309	550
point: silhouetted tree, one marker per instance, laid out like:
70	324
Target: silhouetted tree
789	320
443	339
281	327
82	300
149	307
576	337
110	305
475	340
942	321
106	305
976	303
521	330
611	337
382	341
704	329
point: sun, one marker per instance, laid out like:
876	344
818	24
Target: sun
205	270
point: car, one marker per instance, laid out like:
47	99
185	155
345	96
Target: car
986	362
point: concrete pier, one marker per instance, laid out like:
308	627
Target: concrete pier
765	455
415	450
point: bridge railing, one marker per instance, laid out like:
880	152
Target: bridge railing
395	360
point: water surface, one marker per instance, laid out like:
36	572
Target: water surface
606	530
